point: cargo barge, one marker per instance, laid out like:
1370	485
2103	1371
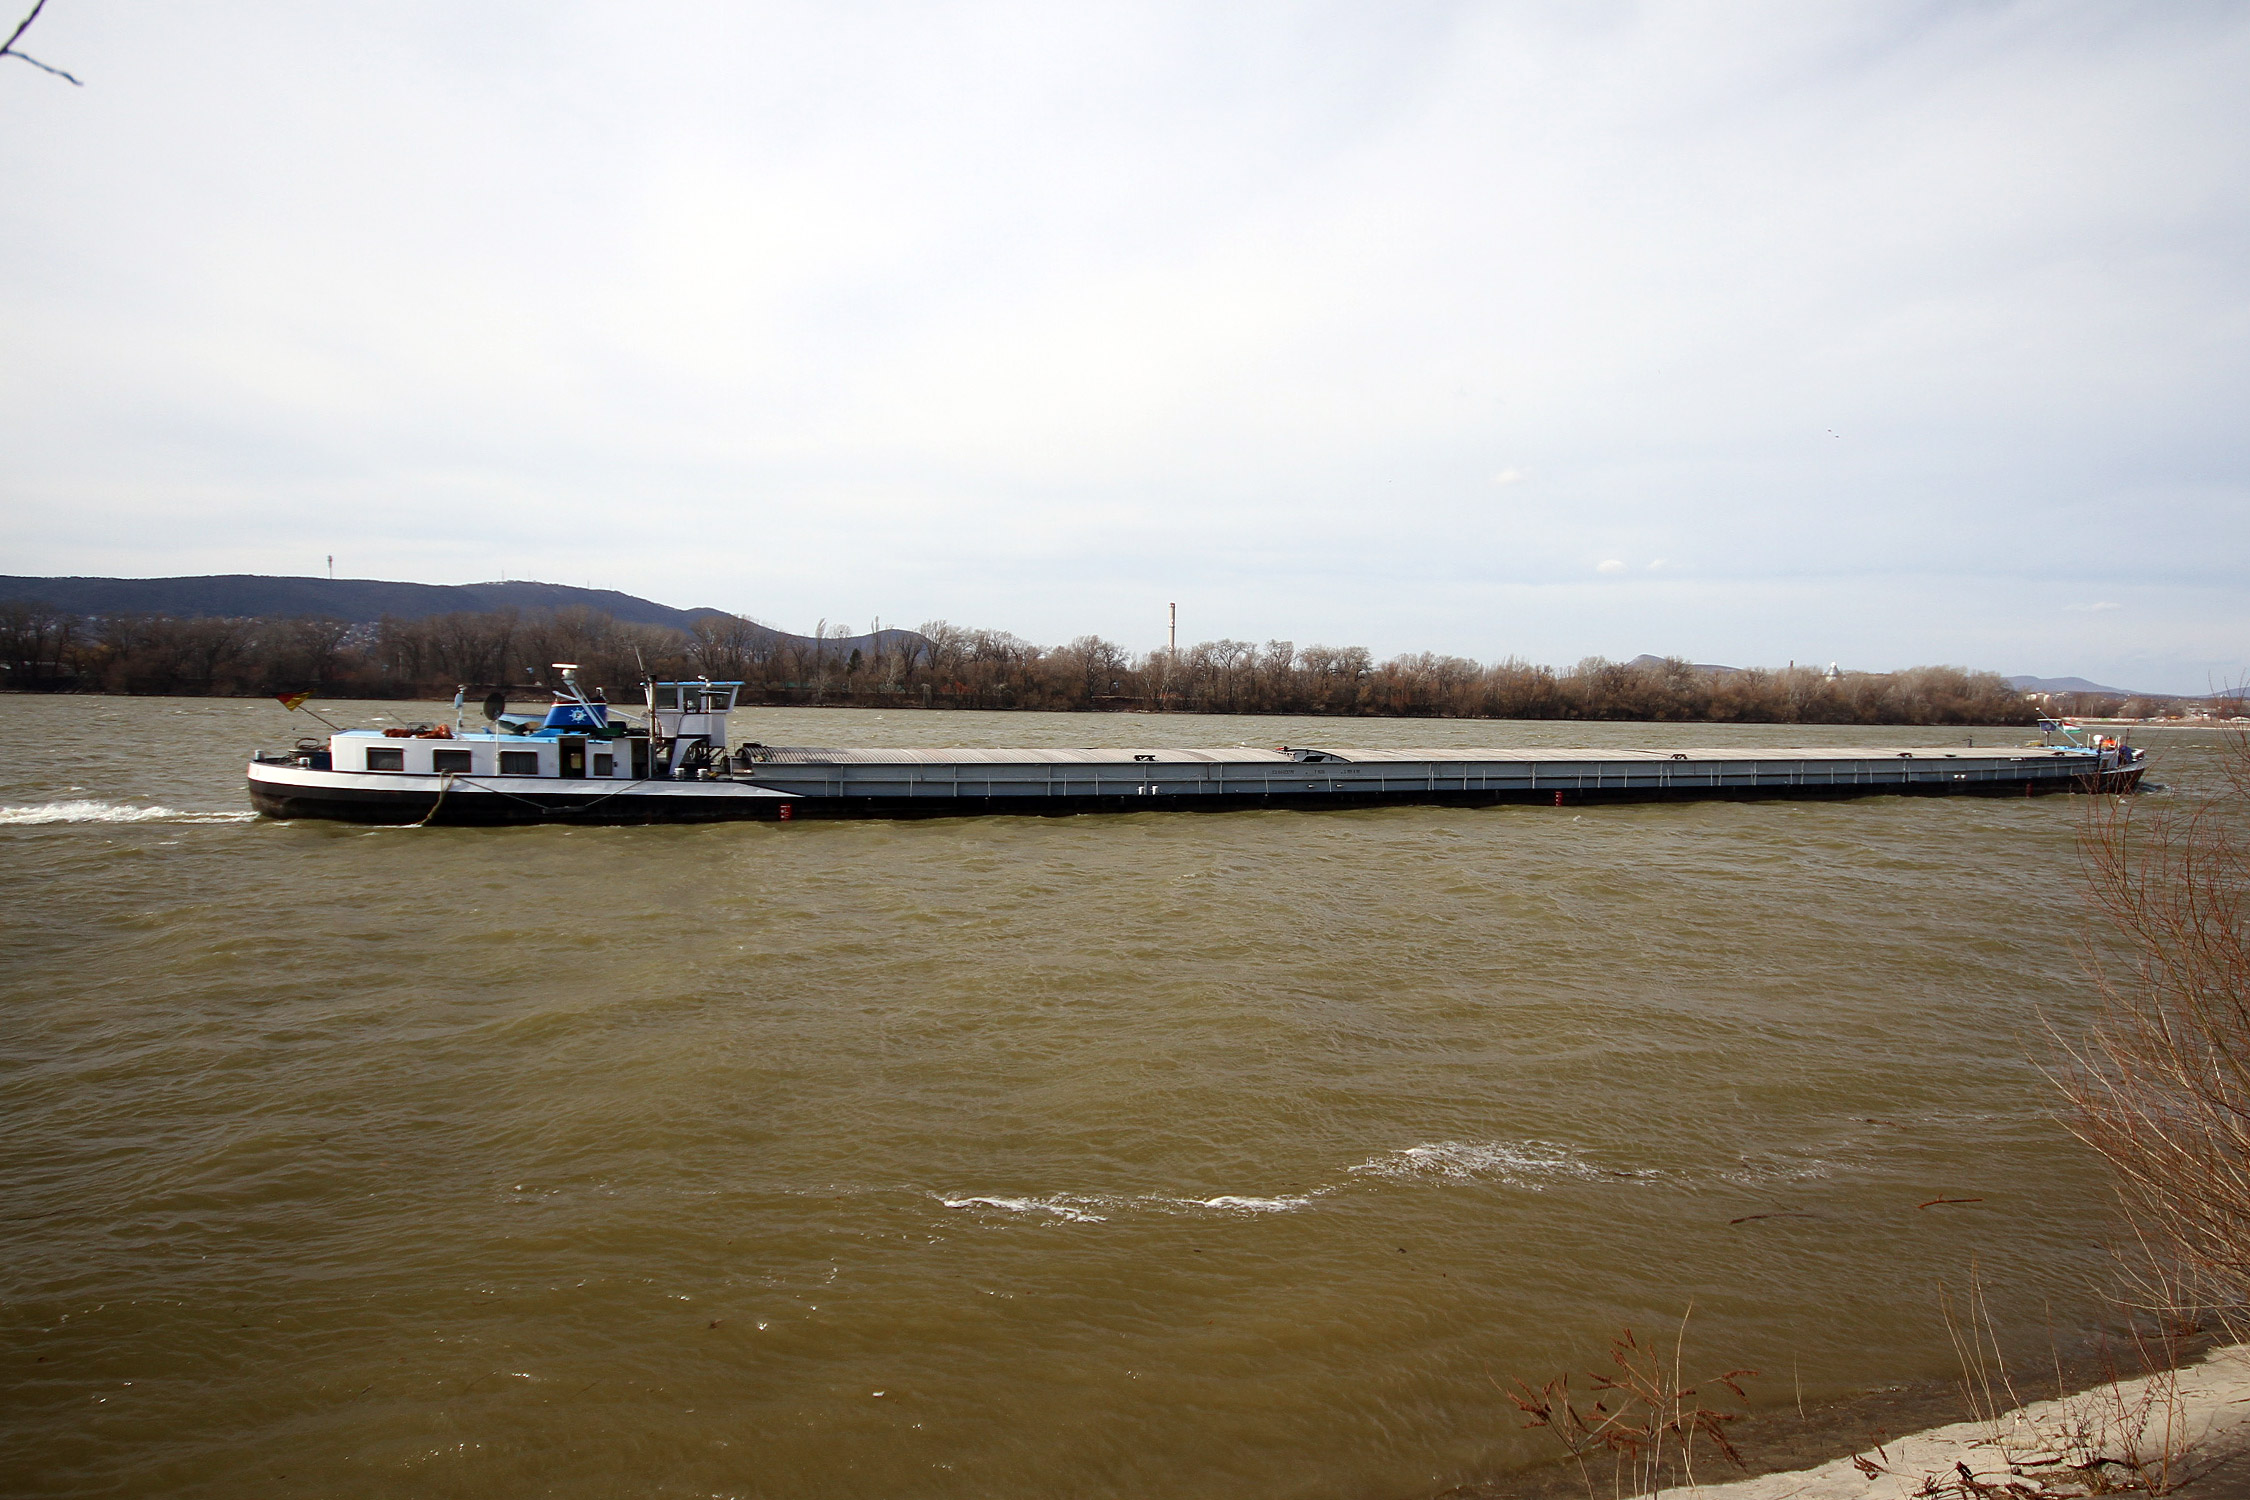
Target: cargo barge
582	764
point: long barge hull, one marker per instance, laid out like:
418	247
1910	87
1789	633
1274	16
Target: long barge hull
783	785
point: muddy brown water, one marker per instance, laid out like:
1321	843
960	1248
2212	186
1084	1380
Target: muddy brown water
1243	1154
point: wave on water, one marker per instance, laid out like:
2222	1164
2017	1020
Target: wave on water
1080	1208
89	810
1530	1164
1061	1207
1245	1205
1768	1167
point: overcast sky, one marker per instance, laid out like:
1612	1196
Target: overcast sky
1881	334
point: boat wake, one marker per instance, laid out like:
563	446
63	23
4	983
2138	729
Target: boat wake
89	810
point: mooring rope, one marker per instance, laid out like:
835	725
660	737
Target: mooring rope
445	784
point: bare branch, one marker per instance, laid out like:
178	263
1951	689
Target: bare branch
8	47
42	67
23	26
2161	1083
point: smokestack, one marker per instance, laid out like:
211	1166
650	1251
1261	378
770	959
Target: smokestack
1175	629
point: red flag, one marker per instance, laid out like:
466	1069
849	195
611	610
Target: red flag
293	701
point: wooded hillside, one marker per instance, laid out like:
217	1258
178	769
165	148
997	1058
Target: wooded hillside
43	648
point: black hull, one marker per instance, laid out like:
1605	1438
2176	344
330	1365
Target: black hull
456	809
628	807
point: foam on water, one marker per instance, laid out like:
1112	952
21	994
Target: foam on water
1060	1207
1080	1207
1529	1164
1241	1205
91	810
1248	1205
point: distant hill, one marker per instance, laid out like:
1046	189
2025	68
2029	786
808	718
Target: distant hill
2020	684
2076	685
1648	663
362	601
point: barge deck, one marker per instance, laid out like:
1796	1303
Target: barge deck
580	765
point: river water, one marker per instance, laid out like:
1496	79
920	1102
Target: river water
1241	1155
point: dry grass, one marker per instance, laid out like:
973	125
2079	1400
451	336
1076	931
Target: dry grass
2160	1085
1641	1414
2159	1088
2124	1435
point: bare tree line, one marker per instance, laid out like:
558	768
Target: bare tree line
942	665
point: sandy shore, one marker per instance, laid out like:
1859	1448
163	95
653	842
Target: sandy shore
2185	1431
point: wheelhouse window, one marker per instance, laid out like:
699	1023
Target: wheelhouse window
605	765
519	763
451	760
381	759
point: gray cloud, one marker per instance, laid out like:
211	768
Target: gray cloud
1897	333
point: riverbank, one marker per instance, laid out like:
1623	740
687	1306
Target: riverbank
2184	1431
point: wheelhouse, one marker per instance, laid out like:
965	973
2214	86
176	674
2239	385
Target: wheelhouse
689	719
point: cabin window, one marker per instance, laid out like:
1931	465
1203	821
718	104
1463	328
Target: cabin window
451	760
667	697
380	759
605	765
519	763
